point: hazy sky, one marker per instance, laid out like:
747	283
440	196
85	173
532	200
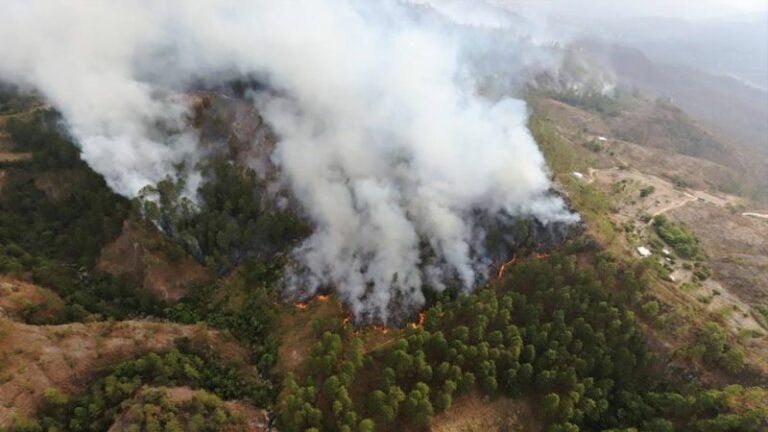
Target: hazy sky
693	9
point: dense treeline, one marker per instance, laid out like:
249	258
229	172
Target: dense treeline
678	238
71	226
601	103
56	237
548	330
245	307
97	408
12	100
233	221
154	412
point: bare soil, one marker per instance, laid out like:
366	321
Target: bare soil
23	300
68	357
148	259
655	154
473	413
736	245
295	330
14	157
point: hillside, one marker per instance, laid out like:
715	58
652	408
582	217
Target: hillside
738	111
390	215
150	313
634	186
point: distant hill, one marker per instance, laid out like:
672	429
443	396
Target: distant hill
737	110
736	45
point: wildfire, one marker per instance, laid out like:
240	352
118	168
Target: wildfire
305	305
420	322
504	266
382	329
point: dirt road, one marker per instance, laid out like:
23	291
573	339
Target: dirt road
688	198
14	157
592	171
757	215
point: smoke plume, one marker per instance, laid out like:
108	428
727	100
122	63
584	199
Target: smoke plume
394	119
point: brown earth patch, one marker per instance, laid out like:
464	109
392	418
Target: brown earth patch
151	261
737	247
654	153
21	300
14	157
473	413
68	357
296	333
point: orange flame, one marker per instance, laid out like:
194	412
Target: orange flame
504	266
382	329
420	322
323	297
301	306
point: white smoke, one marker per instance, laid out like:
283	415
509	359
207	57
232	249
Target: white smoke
394	120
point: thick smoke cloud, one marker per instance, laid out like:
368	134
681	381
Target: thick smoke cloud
394	119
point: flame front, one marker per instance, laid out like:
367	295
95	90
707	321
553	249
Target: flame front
420	322
504	266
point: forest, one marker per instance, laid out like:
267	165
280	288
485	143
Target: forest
561	330
548	330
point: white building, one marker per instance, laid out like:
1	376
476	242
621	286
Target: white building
644	251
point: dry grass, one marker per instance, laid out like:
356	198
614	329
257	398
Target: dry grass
608	198
20	299
14	157
253	419
296	332
67	357
473	413
142	256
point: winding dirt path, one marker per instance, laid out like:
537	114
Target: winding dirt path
592	171
30	110
14	157
756	215
688	198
